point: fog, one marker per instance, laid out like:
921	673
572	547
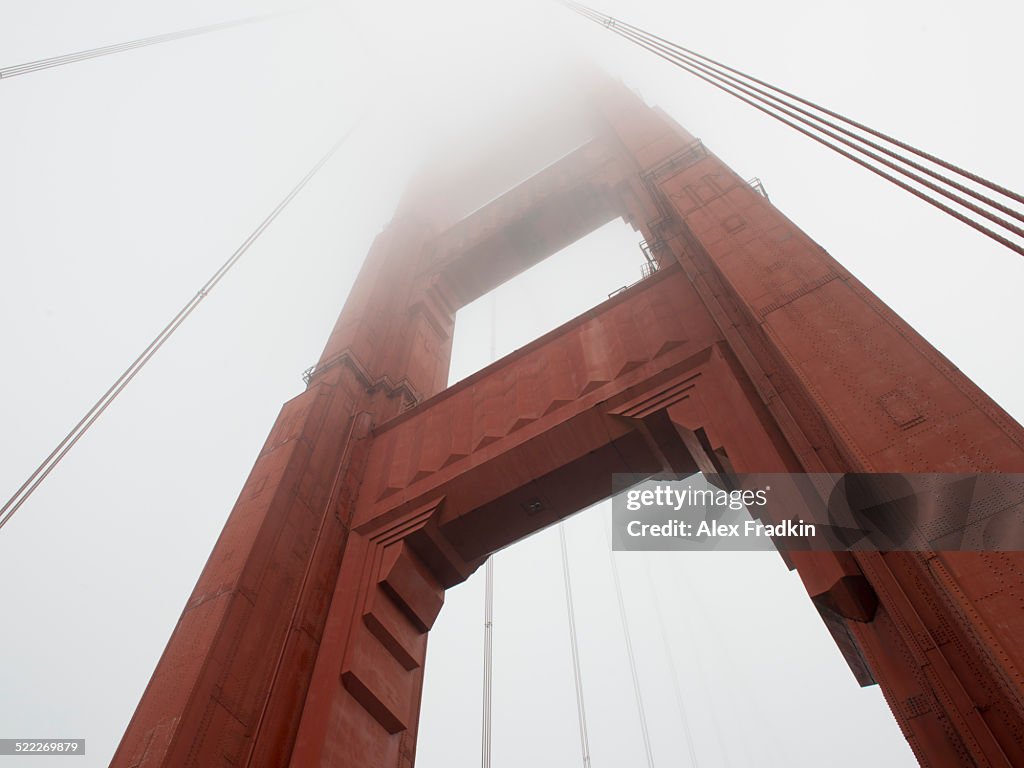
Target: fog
125	181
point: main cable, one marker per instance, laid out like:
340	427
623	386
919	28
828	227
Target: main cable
671	53
64	446
814	121
837	115
106	50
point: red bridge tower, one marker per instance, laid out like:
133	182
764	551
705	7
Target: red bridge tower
749	349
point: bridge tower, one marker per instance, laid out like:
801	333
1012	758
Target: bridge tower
749	349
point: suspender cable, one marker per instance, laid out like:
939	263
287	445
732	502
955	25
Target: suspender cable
485	741
742	90
93	53
629	652
485	736
699	665
581	711
687	733
50	462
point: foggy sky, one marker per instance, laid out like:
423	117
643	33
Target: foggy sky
125	181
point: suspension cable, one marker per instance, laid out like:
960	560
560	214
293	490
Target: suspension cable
699	664
50	462
706	70
687	733
629	652
581	711
861	126
485	741
485	736
106	50
784	106
814	121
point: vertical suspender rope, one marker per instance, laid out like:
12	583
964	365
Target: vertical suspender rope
687	733
581	712
485	739
629	651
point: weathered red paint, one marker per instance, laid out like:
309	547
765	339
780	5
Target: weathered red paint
751	349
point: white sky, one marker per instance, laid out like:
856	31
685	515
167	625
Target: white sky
125	181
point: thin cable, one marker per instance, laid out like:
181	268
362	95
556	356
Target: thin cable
654	48
485	741
106	50
687	733
849	121
629	652
50	462
485	736
700	665
581	711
